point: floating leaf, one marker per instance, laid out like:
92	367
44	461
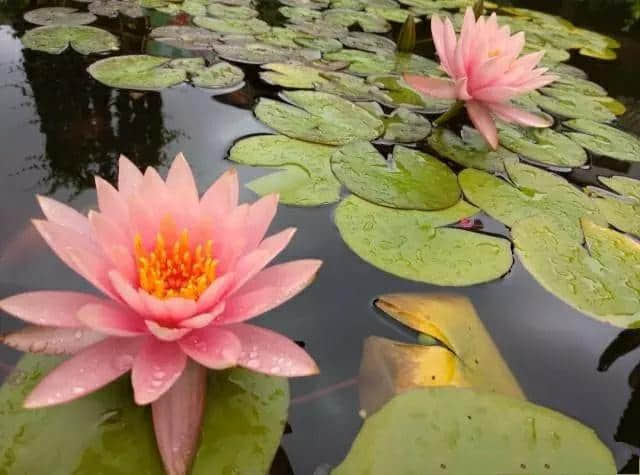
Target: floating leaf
195	8
368	42
186	37
106	432
623	185
261	53
439	4
222	75
542	145
395	92
569	70
362	4
140	72
283	37
306	179
461	431
404	126
113	8
368	22
57	38
552	55
190	65
313	4
394	14
601	280
411	180
59	16
300	14
324	45
470	150
414	245
364	63
320	28
319	117
535	192
571	105
228	11
604	140
623	213
252	26
578	86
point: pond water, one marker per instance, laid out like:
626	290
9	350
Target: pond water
60	127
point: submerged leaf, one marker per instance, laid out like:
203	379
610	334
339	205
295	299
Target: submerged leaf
59	16
140	72
305	179
414	245
57	38
410	180
604	140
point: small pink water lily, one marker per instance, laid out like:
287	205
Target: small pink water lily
180	275
485	72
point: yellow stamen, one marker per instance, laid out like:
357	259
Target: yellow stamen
176	270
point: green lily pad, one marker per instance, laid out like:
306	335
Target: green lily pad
601	280
414	245
410	180
368	42
139	72
55	39
106	432
222	76
568	70
394	14
395	92
368	22
186	37
461	431
305	178
261	53
622	185
195	8
59	16
621	212
113	8
578	85
312	4
283	37
365	63
362	4
300	14
226	11
319	117
233	26
470	150
604	140
571	105
440	4
536	192
299	76
404	126
324	45
190	65
542	145
319	28
552	55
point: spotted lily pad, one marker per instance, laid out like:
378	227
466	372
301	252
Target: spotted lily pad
621	212
536	192
571	105
59	16
462	431
324	45
368	22
410	180
395	92
320	28
601	280
111	434
470	150
261	53
190	65
250	26
228	11
283	37
404	126
186	37
55	39
604	140
319	117
140	72
368	42
305	178
222	76
365	63
394	14
113	8
300	14
544	146
623	185
414	245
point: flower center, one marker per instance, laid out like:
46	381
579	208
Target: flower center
175	270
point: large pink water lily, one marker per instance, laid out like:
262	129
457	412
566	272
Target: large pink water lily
180	276
485	72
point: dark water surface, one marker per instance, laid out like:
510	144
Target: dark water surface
59	127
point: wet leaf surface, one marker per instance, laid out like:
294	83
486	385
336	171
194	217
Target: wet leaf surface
369	22
604	140
186	37
227	11
55	39
622	211
233	26
113	8
365	63
395	92
221	75
368	42
571	105
58	16
140	72
404	126
395	15
261	53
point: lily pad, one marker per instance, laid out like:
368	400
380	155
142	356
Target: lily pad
462	431
139	72
55	39
535	192
252	26
222	76
261	53
300	14
319	117
621	212
283	37
59	16
186	37
470	150
113	8
569	70
190	65
305	178
324	45
368	22
111	434
414	245
404	126
395	92
578	85
368	42
393	14
572	105
623	185
227	11
601	280
542	145
604	140
313	4
410	180
319	28
362	4
365	63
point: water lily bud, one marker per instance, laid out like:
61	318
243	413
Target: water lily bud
407	35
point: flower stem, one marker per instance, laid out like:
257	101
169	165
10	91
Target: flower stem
450	114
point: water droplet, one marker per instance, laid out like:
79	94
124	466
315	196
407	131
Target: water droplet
253	354
78	390
38	346
78	334
275	369
159	374
156	383
124	362
253	364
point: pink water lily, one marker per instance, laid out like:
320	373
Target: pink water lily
180	276
485	72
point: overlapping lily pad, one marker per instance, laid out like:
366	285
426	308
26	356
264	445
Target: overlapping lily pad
470	150
369	22
403	126
368	42
305	178
55	39
227	11
410	180
300	14
111	434
571	105
395	92
621	212
544	146
186	37
319	117
222	76
414	244
320	28
113	8
623	185
365	63
578	86
534	192
252	26
261	53
461	431
313	4
140	72
601	280
393	14
604	140
59	16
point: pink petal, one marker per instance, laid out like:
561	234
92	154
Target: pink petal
449	37
514	114
87	371
181	184
521	68
204	319
222	196
115	244
177	419
232	239
157	366
111	203
171	310
51	308
467	35
63	215
269	289
496	93
143	221
437	33
261	213
434	87
482	121
129	177
127	293
50	340
164	333
213	347
268	352
112	319
93	267
215	292
536	83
